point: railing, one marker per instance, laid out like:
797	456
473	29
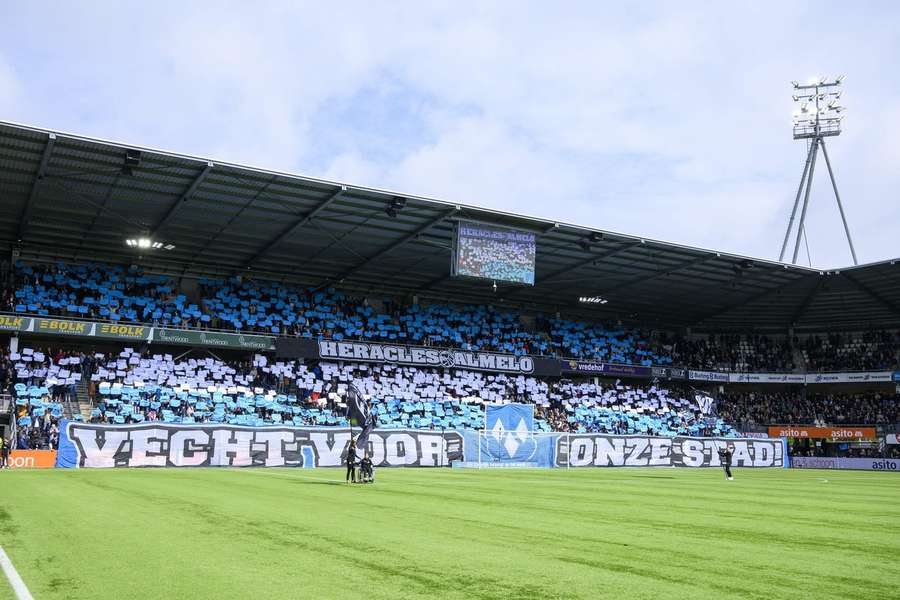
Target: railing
7	408
66	317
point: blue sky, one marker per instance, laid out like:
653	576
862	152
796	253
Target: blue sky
668	120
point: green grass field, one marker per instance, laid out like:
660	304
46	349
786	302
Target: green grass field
418	533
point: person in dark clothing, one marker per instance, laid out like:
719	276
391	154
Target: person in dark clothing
351	462
4	452
366	471
725	455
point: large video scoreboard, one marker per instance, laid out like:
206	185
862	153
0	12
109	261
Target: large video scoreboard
494	253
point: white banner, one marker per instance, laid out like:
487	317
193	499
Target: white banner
708	376
766	378
600	450
849	377
862	464
208	445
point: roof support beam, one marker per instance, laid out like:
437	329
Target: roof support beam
747	299
42	170
666	271
873	294
395	245
179	203
295	226
589	260
807	300
565	270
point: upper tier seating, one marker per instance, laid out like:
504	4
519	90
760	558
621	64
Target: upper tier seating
129	387
129	294
101	292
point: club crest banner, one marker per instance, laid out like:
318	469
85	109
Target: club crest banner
509	432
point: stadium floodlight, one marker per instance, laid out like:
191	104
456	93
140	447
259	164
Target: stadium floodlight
145	243
397	204
817	117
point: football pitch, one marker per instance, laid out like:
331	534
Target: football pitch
419	533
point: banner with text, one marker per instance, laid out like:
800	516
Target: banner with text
864	377
824	433
587	367
766	378
162	445
834	462
707	376
599	450
130	333
32	459
418	356
85	445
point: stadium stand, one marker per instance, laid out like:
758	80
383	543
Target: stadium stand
126	294
131	387
99	291
870	351
733	353
764	408
627	409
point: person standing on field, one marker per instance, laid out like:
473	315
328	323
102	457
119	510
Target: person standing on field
351	461
725	455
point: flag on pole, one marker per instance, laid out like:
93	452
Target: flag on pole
359	413
706	403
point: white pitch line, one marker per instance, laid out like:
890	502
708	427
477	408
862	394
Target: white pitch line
15	581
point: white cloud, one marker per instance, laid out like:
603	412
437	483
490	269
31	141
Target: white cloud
10	89
662	120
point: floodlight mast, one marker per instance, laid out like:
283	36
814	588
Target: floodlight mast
819	116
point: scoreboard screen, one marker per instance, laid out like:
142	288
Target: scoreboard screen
495	253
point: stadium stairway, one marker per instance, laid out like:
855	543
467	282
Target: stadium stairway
799	360
84	400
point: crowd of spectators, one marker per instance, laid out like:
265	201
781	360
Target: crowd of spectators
736	353
807	447
128	294
41	396
133	387
797	408
868	351
98	291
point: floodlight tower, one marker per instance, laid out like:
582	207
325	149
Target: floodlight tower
818	116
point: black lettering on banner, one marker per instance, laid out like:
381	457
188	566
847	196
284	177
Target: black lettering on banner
637	446
418	356
164	445
600	450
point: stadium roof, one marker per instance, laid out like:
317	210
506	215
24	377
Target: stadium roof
70	197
